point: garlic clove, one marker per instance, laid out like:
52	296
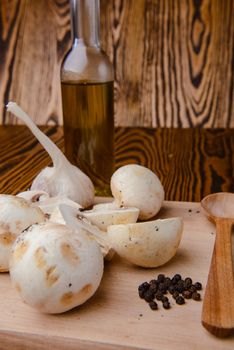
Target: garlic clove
55	268
33	196
16	214
63	178
147	244
102	218
137	186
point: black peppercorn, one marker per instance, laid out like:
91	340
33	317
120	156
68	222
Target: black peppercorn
161	278
153	286
171	289
177	277
192	288
153	305
175	294
164	299
159	295
198	285
167	282
141	293
187	283
143	286
180	300
148	296
162	287
187	294
179	288
166	305
196	296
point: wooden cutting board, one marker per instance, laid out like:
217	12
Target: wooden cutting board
115	317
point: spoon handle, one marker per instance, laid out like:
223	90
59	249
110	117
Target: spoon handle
218	304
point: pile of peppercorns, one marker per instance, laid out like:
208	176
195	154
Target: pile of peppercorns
179	289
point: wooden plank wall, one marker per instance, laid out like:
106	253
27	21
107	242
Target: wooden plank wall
173	59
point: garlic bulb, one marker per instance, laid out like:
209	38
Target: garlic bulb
137	186
16	214
55	268
63	178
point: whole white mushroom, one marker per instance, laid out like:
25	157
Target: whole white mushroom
16	214
55	268
134	185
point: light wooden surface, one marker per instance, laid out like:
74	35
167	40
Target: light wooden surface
173	60
115	317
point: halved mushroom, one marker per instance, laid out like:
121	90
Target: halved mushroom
146	244
103	218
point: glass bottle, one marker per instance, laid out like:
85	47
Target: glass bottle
87	98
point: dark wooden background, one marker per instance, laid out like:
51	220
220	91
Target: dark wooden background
173	59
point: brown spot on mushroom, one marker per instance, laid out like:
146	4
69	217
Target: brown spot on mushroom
76	298
51	277
18	225
4	228
69	254
7	238
39	257
20	250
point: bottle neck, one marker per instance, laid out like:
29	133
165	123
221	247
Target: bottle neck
85	22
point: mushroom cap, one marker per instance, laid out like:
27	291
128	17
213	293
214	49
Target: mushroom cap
16	214
55	268
137	186
147	244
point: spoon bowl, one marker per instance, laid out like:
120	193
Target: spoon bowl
219	205
218	304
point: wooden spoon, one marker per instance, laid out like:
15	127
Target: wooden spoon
218	304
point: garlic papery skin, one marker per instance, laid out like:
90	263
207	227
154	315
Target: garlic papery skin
137	186
33	196
63	178
147	244
55	268
16	214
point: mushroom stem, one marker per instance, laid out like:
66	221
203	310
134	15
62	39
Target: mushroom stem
56	155
75	221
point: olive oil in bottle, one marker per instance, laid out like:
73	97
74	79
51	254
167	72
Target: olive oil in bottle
87	98
88	130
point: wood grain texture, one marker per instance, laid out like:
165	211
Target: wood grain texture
115	317
34	36
191	163
173	60
218	304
